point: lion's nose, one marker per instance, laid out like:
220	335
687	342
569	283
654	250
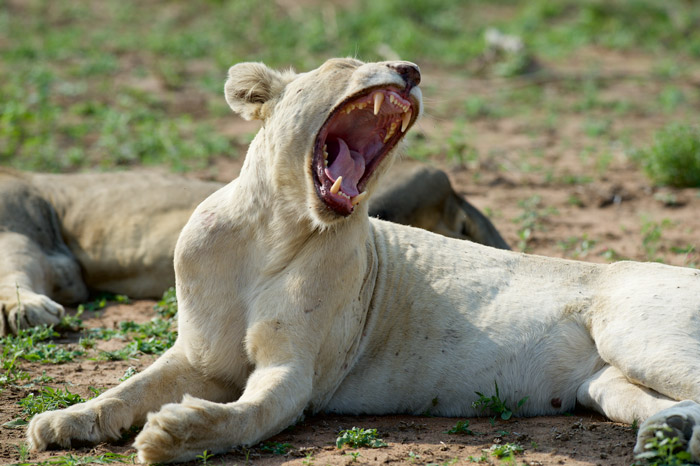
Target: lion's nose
408	71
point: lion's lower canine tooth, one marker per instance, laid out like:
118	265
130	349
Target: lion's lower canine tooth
378	100
357	199
406	120
336	186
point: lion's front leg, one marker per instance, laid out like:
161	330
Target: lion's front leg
276	393
105	417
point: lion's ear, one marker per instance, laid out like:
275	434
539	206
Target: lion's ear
251	85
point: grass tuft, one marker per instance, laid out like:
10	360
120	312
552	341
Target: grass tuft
358	437
673	159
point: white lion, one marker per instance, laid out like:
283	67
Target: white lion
292	300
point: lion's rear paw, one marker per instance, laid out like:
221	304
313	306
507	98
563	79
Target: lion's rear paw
32	309
677	427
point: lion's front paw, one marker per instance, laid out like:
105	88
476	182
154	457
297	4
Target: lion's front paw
181	431
32	309
86	422
681	422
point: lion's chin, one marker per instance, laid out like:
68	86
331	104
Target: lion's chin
354	140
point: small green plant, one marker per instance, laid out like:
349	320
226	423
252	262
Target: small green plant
479	459
651	236
358	437
130	372
276	448
205	457
495	405
354	455
167	306
664	449
577	247
531	219
308	459
22	451
102	301
674	157
413	457
506	450
462	427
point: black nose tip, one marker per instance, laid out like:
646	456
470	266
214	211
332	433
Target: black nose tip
409	72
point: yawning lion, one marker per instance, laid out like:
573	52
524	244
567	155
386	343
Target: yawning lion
292	300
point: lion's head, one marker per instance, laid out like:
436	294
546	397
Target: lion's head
335	126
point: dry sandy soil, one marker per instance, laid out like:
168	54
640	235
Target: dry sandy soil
610	215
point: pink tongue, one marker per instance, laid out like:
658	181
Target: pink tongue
348	164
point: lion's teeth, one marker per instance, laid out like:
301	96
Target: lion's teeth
378	101
390	133
325	151
357	199
406	120
336	186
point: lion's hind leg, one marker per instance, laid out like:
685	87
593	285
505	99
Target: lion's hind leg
611	393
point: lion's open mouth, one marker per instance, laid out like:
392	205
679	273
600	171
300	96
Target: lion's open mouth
354	140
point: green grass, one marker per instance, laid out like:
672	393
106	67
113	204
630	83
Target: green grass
496	406
276	448
462	427
358	437
673	158
35	345
167	306
153	337
663	450
506	450
73	460
48	399
103	86
531	219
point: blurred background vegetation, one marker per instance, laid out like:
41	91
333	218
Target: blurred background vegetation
118	83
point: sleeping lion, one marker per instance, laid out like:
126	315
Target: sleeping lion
292	300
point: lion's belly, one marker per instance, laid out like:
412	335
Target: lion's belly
451	318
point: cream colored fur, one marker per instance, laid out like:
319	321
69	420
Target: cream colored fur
286	308
116	232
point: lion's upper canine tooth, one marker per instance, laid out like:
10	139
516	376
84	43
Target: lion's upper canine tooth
325	151
357	199
406	120
336	186
378	100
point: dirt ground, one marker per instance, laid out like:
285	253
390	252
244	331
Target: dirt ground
616	213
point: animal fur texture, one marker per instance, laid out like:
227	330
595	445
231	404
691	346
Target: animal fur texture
64	234
292	300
